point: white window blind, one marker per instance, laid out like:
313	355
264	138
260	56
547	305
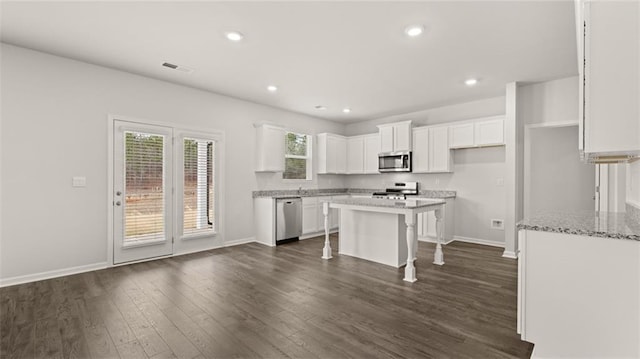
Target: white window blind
144	186
297	158
198	203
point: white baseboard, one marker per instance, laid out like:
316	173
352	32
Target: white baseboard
317	234
433	240
478	241
510	254
5	282
240	241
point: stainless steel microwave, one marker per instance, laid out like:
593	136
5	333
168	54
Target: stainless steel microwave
394	161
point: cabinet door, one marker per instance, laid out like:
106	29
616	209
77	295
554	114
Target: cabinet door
489	133
355	155
439	152
310	215
371	151
341	155
402	137
420	149
269	149
386	139
461	136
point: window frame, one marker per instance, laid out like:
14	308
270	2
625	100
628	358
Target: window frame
308	158
179	138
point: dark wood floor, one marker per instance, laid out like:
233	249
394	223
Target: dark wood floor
256	301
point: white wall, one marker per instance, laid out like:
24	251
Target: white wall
555	178
54	126
475	171
549	102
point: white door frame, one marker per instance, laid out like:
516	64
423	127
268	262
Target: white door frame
190	246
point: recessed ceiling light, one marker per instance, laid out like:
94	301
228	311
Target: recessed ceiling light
234	36
346	110
471	82
320	107
272	88
414	30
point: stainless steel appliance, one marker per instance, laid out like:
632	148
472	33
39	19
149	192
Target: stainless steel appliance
398	190
394	161
288	219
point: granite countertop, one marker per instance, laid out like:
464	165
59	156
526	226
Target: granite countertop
389	203
290	193
585	223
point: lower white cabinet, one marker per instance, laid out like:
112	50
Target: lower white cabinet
426	226
313	216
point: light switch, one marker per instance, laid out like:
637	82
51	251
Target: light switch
79	182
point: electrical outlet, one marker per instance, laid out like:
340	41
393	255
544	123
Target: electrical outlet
437	180
500	182
497	224
79	182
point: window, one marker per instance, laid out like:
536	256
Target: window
297	157
198	200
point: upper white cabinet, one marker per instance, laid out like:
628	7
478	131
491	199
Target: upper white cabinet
371	151
332	157
431	149
420	156
478	133
395	136
355	154
608	58
269	156
439	152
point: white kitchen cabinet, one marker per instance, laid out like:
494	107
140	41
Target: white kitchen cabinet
426	226
310	215
431	149
477	133
608	58
270	141
332	154
420	156
334	215
395	136
439	152
461	136
355	154
489	132
371	151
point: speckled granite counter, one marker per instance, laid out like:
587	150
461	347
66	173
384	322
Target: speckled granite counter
606	225
342	191
388	203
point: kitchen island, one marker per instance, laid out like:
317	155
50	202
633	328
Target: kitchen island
383	230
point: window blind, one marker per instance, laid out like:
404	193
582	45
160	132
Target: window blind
144	186
198	202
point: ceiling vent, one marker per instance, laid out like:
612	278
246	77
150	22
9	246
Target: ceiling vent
180	68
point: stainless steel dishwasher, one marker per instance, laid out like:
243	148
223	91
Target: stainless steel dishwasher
288	219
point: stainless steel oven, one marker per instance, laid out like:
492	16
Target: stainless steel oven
394	161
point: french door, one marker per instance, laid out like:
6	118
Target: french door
143	185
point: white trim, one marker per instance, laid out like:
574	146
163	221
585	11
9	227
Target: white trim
551	124
485	242
509	254
5	282
433	240
240	241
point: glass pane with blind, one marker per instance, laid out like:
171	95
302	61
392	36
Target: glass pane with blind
198	206
144	186
295	168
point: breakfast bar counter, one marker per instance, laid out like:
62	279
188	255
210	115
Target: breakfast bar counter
383	230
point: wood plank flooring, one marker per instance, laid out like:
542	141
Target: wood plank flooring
252	301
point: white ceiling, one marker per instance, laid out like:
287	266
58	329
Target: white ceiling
336	54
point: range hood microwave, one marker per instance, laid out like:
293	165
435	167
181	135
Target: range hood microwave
394	161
